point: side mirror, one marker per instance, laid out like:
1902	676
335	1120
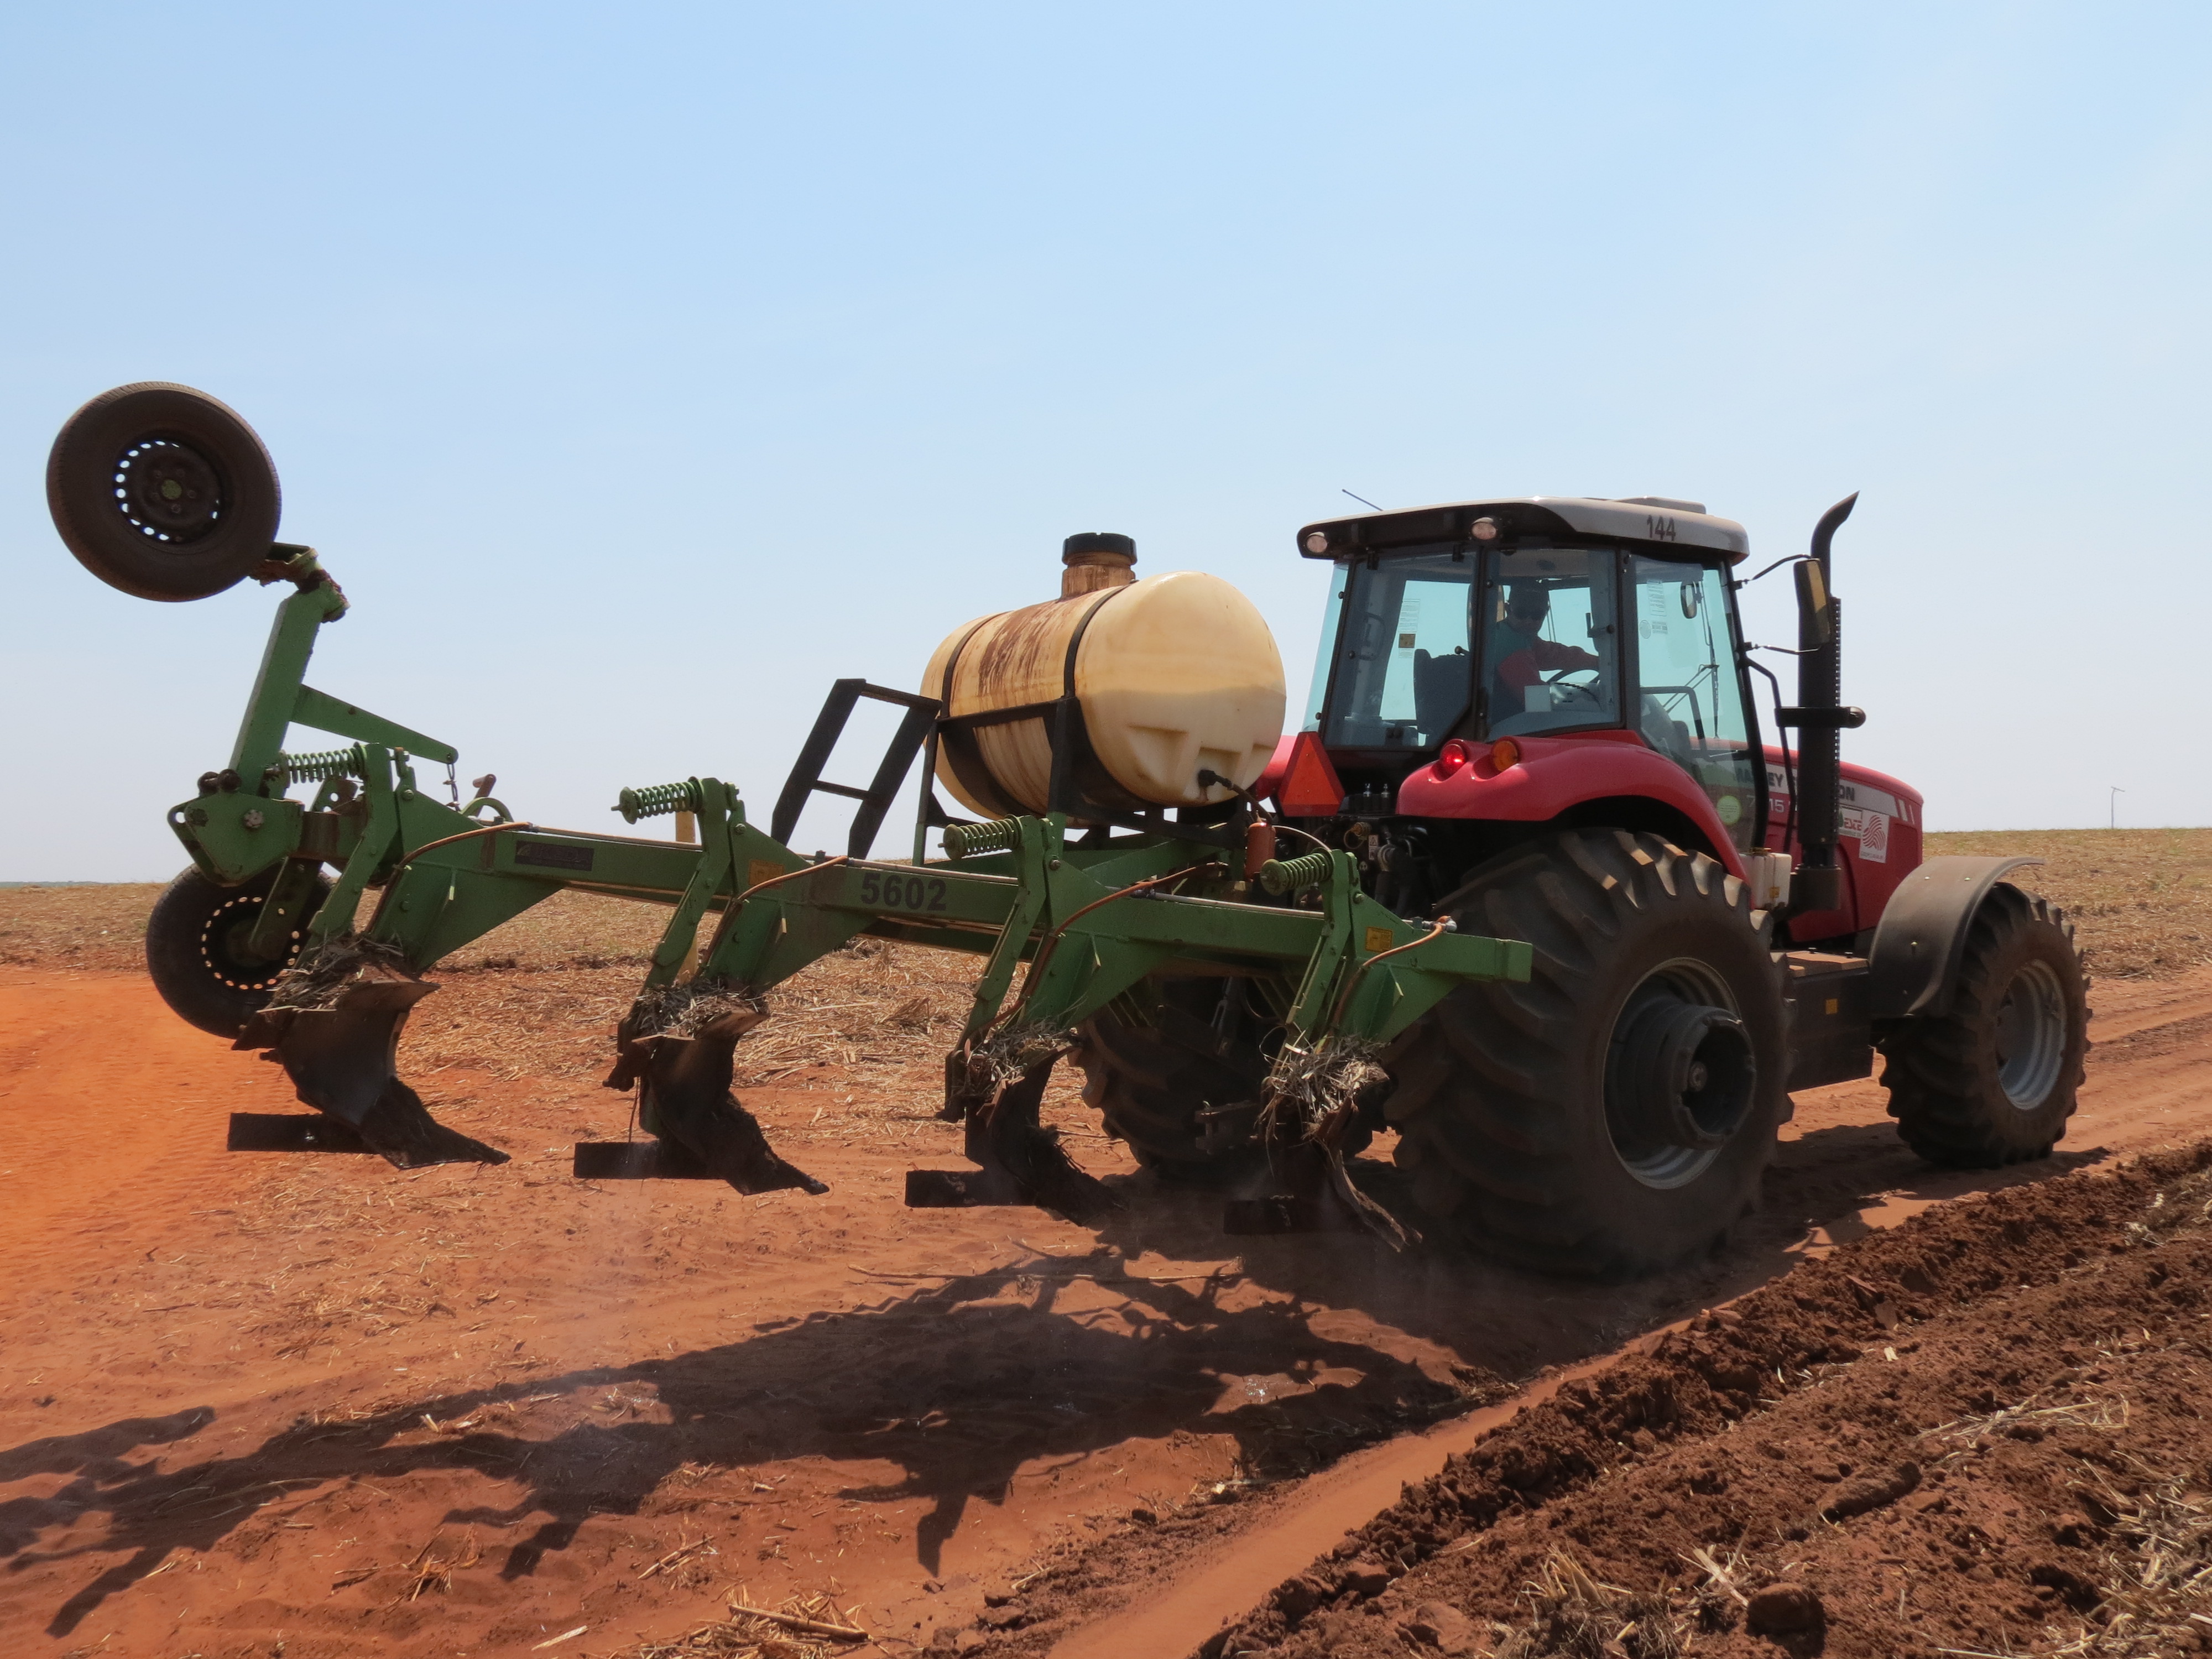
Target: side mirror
1816	615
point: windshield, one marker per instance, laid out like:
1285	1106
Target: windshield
1550	652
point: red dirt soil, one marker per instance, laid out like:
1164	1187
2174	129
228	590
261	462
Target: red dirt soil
304	1400
1979	1433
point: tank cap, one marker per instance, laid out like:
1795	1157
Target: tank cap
1097	541
1096	560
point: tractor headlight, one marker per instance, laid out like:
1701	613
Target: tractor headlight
1317	542
1484	530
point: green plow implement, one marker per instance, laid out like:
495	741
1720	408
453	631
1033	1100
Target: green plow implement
1091	915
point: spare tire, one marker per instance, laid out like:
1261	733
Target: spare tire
163	492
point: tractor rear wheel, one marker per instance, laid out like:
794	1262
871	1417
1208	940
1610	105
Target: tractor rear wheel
196	955
163	491
1991	1082
1612	1116
1150	1081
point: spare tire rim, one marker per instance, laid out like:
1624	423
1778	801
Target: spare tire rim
223	940
2030	1035
168	491
1681	1075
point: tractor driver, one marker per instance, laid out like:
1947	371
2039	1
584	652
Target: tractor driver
1520	656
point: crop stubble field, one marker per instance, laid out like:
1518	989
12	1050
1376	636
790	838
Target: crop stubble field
311	1401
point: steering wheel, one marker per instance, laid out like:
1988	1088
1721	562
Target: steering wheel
1566	695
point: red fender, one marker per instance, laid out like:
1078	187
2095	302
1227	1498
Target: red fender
1554	774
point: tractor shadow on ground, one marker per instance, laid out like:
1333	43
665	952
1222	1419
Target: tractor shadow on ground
959	1385
954	1388
98	1459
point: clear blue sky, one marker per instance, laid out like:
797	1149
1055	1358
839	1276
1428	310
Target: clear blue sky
640	370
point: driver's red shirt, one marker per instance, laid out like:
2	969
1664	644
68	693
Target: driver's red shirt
1528	666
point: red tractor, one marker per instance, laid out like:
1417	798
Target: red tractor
1536	716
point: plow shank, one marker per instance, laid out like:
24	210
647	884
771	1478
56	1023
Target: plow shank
684	1096
342	1060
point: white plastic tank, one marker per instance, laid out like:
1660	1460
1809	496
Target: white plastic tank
1176	675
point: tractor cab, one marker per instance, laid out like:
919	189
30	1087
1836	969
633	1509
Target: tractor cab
1602	630
1544	616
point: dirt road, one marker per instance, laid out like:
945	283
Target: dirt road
261	1399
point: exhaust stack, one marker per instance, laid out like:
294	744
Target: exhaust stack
1820	717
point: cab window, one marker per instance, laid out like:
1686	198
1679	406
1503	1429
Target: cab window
1402	674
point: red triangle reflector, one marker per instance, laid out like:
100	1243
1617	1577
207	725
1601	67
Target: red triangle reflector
1309	788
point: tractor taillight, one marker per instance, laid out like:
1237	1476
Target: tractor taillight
1451	758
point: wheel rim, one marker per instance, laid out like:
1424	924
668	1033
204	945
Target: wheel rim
221	940
169	492
1680	1077
2030	1035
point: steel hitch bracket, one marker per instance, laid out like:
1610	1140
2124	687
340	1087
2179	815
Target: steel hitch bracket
335	1019
1369	975
995	1079
1019	1160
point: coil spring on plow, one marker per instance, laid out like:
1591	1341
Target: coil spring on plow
659	800
319	766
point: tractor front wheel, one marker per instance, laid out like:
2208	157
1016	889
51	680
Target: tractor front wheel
1612	1116
195	949
1991	1081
